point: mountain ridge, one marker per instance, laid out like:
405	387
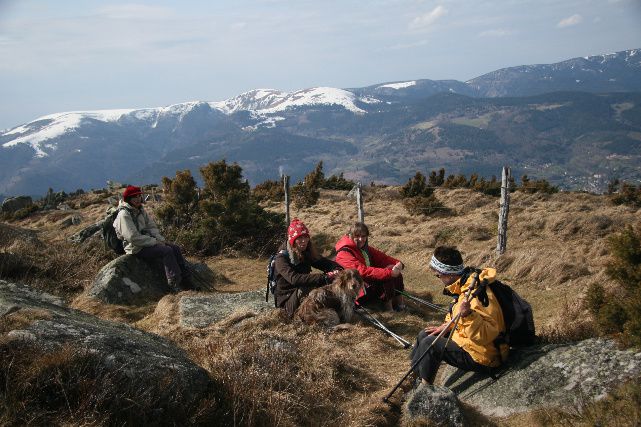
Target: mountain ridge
363	121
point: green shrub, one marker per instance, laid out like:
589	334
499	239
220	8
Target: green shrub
419	198
307	192
628	194
226	216
619	311
536	186
269	191
338	183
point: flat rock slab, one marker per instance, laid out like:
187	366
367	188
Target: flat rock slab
552	375
200	311
136	357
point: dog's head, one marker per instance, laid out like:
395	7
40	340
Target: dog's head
349	282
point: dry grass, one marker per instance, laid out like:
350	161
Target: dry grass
276	372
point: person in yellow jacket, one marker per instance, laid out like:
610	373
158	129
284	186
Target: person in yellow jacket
472	346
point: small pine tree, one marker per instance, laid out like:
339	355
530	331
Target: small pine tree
419	198
307	192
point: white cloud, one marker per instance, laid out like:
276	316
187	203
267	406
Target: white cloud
498	32
238	25
570	21
402	46
427	19
135	11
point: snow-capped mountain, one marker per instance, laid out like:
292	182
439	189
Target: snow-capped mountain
266	128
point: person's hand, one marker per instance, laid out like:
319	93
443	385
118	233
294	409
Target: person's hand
434	330
396	270
464	308
331	275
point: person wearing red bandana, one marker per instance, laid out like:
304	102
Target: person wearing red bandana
293	268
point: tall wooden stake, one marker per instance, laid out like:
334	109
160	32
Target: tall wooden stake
286	187
359	202
504	210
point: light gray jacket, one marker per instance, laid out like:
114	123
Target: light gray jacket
137	233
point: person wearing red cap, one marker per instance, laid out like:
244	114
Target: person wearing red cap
142	238
380	272
293	268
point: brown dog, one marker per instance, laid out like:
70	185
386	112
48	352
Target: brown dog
334	303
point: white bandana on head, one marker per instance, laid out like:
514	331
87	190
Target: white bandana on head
446	269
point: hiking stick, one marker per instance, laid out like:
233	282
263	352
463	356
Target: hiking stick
422	301
453	321
378	324
374	321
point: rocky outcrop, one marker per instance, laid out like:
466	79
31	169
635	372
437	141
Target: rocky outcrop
200	311
128	280
552	375
13	204
432	405
133	359
86	232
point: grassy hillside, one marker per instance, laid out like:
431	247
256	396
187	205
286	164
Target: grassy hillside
278	372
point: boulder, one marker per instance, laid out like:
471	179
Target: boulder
552	375
13	204
132	361
129	280
432	405
200	311
86	232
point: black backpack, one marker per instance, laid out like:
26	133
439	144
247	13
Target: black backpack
517	313
271	275
109	232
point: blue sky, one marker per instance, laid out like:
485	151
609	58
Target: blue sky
82	55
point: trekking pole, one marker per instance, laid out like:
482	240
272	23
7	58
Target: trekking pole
378	324
374	321
422	301
453	321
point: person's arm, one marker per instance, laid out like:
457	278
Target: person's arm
152	228
126	228
295	279
381	259
326	265
478	323
348	260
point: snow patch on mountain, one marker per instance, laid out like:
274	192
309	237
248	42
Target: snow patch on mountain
270	101
54	125
399	85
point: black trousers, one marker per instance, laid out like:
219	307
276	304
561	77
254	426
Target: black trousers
452	354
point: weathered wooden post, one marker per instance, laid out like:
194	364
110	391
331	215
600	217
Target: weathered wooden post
504	210
359	202
286	187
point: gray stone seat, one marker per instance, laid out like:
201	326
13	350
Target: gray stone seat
128	280
544	376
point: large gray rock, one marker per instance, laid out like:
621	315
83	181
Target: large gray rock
13	204
432	405
86	232
550	375
200	311
136	359
129	280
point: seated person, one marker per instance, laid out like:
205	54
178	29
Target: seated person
472	345
380	272
142	238
293	267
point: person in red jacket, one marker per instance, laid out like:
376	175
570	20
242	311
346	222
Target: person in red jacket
381	273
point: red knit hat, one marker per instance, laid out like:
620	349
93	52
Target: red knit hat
295	230
131	191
